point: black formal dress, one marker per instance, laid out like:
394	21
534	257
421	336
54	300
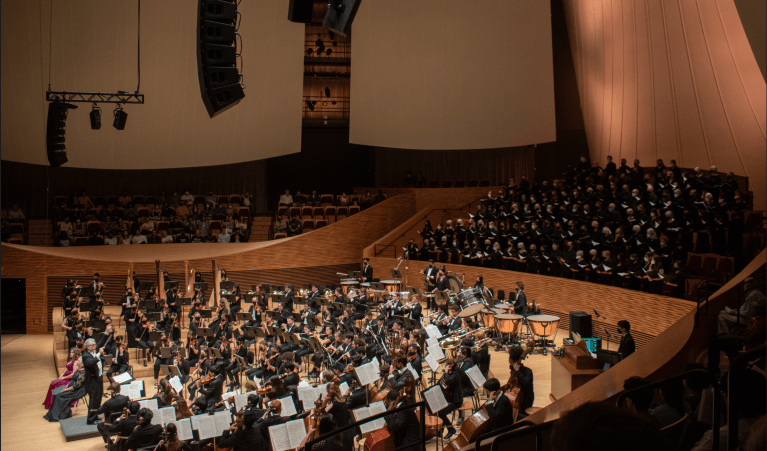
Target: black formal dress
60	410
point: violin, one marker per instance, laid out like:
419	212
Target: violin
206	379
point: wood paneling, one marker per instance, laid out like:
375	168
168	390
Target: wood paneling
648	314
448	198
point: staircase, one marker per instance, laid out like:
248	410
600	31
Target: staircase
40	233
259	229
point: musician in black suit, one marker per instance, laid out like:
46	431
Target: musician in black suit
124	425
498	406
398	376
289	297
209	394
313	298
627	346
451	386
367	270
430	275
404	425
520	303
247	437
146	434
115	404
455	321
119	358
525	377
94	372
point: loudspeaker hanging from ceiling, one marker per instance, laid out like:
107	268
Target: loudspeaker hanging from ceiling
219	77
300	11
56	132
340	16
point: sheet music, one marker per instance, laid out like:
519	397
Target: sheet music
412	370
165	415
435	398
365	412
129	391
433	331
122	378
344	387
194	420
432	361
477	379
137	385
227	398
206	426
175	382
431	341
366	373
288	408
184	429
296	432
437	351
376	365
150	404
222	420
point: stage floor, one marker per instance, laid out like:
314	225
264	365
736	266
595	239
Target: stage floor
28	368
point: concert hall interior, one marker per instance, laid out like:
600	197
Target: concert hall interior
403	225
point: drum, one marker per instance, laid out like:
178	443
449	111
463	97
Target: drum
392	285
503	305
403	296
508	323
470	301
455	284
345	285
488	317
543	326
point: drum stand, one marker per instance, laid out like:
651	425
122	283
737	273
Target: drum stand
544	341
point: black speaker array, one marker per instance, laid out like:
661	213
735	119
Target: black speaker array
300	11
55	135
580	322
340	15
216	55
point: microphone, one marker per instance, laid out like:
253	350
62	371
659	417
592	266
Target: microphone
597	313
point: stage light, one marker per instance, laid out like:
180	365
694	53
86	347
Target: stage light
121	117
95	117
327	91
310	104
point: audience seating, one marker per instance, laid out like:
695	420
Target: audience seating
447	184
326	200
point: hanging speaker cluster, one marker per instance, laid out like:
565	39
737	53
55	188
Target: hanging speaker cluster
217	55
55	135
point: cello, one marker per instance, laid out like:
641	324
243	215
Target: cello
382	439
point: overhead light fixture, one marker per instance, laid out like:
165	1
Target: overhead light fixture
95	117
121	117
327	91
310	104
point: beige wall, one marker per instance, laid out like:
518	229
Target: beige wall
95	49
671	79
450	74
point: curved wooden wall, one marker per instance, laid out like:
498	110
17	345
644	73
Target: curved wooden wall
648	314
670	79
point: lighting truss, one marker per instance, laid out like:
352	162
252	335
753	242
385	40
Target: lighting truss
98	97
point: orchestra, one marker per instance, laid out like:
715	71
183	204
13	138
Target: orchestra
290	340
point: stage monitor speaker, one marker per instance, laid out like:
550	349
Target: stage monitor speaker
217	70
55	135
340	16
300	11
580	323
121	117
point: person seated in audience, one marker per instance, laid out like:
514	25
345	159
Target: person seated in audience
379	197
728	318
228	223
366	201
153	238
294	227
187	198
79	228
672	408
182	211
125	238
198	237
313	199
131	213
238	237
165	238
286	199
182	238
420	182
409	181
343	200
638	402
110	239
218	212
168	211
211	198
174	199
95	240
224	236
138	238
240	224
64	239
299	199
247	200
124	200
146	226
15	214
280	225
601	426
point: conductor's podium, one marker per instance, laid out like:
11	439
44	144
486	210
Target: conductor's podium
572	370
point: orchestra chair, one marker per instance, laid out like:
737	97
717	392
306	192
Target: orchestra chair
279	235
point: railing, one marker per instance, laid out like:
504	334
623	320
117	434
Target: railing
421	405
497	432
680	377
384	246
736	367
538	430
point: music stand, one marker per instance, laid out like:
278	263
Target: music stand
273	330
311	322
229	297
147	304
206	313
89	292
243	316
142	286
204	332
216	353
165	353
154	335
396	273
108	360
249	297
154	316
202	286
356	275
259	332
250	332
227	285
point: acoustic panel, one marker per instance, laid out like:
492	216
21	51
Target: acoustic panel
452	75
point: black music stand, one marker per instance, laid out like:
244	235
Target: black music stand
202	286
147	304
165	353
204	332
227	285
396	273
206	313
145	286
154	336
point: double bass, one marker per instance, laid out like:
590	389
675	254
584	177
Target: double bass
382	439
479	423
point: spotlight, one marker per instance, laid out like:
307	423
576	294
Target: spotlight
327	91
121	117
328	52
309	52
95	117
310	104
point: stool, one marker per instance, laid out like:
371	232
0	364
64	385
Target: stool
467	405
